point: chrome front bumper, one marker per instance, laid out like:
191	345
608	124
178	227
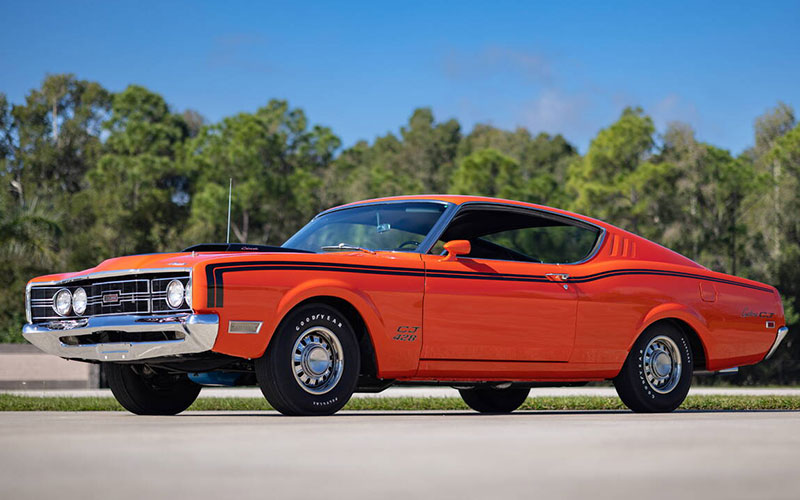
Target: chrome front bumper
199	332
782	331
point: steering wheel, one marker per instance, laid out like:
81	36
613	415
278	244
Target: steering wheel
415	244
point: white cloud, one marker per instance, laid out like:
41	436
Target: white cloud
673	108
555	111
495	60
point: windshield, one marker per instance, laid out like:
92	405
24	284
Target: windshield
378	226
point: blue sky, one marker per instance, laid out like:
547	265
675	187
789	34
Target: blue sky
362	67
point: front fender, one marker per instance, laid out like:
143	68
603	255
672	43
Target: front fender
394	359
328	288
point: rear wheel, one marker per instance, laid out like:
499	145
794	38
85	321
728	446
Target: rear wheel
492	400
146	391
658	371
311	366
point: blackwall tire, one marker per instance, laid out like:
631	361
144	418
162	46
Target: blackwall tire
658	371
312	364
491	400
143	391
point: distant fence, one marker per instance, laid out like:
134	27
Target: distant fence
23	366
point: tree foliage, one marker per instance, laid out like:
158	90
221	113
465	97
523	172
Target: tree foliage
88	174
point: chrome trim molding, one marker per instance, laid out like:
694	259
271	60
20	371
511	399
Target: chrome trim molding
782	331
28	315
199	330
380	202
725	371
449	214
246	327
150	295
450	208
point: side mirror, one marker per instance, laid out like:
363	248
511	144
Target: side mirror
455	248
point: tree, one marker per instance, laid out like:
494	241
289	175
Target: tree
543	153
599	181
28	239
137	183
543	160
6	141
769	128
712	196
420	160
58	131
488	173
276	162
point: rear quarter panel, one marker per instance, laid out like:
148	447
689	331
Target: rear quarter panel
628	290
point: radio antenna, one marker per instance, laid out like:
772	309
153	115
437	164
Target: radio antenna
230	194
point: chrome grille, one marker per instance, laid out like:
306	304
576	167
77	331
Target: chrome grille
138	294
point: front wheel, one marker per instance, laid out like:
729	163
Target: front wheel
146	391
658	371
311	366
493	400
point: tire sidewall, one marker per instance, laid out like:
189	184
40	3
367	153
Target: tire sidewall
280	356
139	396
652	400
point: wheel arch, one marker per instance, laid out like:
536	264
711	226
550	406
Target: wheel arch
688	321
366	347
362	315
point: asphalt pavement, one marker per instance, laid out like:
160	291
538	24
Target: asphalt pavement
377	455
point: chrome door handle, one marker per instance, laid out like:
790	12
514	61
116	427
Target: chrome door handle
557	276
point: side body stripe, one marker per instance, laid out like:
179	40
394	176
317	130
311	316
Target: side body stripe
215	274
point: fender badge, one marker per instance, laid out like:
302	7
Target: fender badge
752	314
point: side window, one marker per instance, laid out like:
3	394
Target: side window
506	233
552	244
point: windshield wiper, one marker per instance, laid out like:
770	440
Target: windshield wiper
345	247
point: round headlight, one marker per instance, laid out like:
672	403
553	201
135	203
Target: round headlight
188	294
175	293
79	301
62	302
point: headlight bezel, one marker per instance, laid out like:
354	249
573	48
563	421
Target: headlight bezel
187	294
64	292
175	289
75	297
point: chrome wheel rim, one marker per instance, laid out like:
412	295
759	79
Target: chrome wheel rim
317	360
662	364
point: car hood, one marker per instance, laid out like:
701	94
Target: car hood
146	262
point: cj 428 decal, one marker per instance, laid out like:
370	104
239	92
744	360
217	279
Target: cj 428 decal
406	333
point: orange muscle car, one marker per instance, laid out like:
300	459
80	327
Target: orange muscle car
490	296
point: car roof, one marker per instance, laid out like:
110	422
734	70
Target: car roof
459	199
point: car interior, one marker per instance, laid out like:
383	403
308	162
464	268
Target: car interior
519	234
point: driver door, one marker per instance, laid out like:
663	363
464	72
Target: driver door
500	302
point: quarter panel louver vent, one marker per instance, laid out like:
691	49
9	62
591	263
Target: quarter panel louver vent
620	246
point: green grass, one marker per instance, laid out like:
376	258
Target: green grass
9	402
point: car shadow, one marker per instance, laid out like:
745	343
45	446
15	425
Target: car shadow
463	413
